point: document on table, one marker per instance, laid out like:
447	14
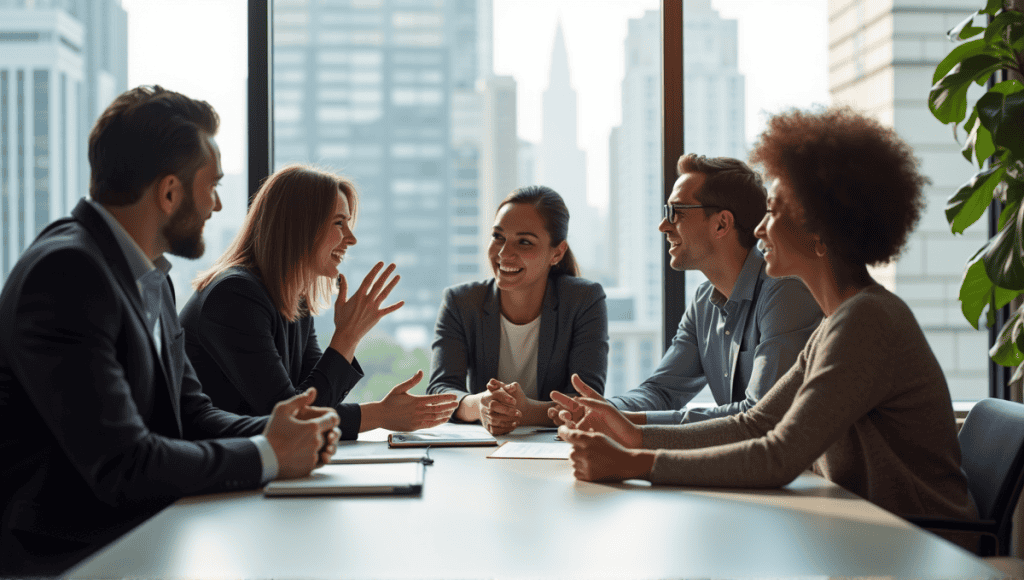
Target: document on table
528	450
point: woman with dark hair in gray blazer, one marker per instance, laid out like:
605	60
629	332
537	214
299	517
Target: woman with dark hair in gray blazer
503	345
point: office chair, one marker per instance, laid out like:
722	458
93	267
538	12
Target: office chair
992	443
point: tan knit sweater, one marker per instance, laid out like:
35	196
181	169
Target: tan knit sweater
865	403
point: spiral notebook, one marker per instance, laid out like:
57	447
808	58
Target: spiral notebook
354	479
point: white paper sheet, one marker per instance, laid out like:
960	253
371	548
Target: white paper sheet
528	450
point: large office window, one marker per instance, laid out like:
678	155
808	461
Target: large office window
196	47
437	110
63	61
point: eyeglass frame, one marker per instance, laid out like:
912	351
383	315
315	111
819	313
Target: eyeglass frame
668	211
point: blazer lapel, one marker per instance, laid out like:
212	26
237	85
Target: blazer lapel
546	340
97	227
489	339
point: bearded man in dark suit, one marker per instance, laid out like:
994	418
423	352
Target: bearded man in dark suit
102	419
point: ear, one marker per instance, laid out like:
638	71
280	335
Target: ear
169	192
724	223
820	249
559	252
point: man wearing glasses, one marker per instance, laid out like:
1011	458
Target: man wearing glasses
743	329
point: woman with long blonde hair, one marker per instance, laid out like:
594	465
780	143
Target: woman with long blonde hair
249	329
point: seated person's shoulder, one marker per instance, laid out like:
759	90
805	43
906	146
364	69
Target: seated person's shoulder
579	288
469	292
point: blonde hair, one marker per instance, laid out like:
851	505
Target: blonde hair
286	222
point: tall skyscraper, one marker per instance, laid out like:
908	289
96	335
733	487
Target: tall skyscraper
560	163
368	89
881	59
56	58
714	119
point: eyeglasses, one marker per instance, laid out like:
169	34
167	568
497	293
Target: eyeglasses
668	211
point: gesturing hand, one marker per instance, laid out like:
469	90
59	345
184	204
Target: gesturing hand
598	415
296	433
498	408
404	412
356	315
595	457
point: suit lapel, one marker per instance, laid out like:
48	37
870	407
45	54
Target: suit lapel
546	340
97	227
490	337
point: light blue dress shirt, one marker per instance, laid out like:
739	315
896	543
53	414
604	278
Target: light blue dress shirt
737	347
151	278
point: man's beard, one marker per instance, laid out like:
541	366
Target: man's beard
184	232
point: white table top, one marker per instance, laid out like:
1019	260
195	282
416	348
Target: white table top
522	518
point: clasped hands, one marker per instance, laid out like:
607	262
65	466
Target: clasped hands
605	443
302	436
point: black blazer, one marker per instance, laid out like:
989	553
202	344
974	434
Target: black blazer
249	357
573	337
97	430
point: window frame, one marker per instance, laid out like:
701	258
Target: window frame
261	130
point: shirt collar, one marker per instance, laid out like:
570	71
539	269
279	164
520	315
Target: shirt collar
743	289
139	264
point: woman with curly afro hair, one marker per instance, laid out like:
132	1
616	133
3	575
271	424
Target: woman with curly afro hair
866	404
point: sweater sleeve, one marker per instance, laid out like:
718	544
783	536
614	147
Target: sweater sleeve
840	377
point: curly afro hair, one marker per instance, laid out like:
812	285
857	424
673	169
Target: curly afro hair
857	181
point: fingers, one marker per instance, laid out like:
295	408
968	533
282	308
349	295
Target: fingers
327	421
494	384
392	308
404	386
391	285
512	389
583	389
297	402
364	288
342	287
378	285
502	393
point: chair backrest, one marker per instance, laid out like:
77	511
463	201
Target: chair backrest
992	442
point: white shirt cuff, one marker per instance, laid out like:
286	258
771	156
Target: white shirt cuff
267	458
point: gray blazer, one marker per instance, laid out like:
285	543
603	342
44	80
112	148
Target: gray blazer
573	337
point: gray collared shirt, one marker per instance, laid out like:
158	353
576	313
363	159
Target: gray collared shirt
735	345
150	276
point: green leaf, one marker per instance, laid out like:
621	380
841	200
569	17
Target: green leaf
965	50
970	201
948	97
979	141
992	7
975	291
997	28
1008	87
1004	256
1009	212
965	29
1003	115
1005	351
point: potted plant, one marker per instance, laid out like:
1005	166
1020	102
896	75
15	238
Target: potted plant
994	276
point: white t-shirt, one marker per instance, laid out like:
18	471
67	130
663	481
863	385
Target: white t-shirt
517	358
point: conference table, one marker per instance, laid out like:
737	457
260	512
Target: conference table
480	517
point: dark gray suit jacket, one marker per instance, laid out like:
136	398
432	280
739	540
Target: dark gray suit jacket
573	337
97	429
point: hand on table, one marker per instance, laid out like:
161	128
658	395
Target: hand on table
595	457
597	415
499	407
404	412
356	315
301	436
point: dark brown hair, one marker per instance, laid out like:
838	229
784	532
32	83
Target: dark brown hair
552	210
286	223
729	184
146	134
857	181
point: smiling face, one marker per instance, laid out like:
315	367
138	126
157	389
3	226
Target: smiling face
789	249
338	238
520	252
689	237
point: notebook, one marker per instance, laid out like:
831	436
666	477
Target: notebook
444	436
354	479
